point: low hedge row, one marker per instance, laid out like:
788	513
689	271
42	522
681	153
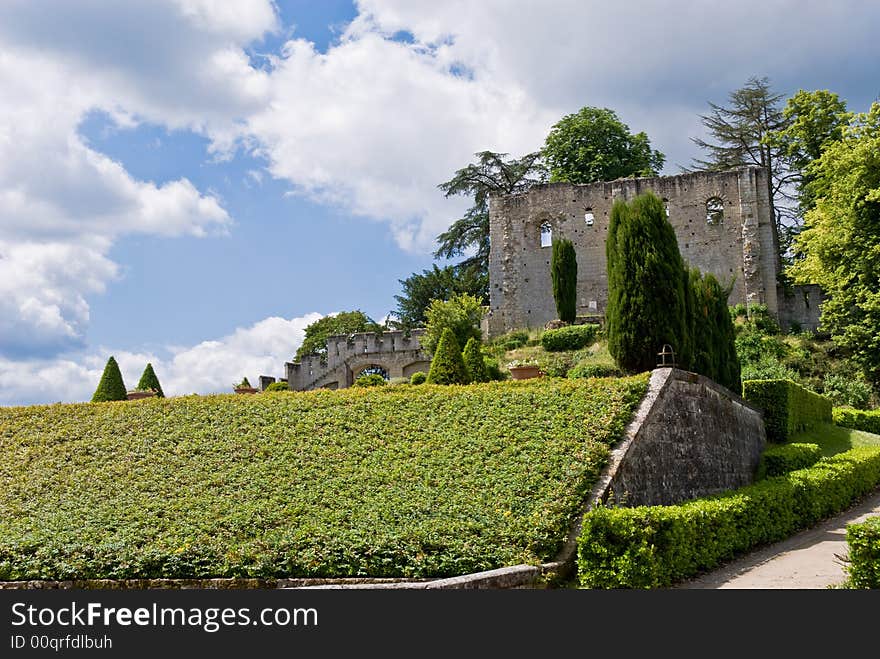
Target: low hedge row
573	337
656	546
864	554
788	407
869	421
593	370
780	459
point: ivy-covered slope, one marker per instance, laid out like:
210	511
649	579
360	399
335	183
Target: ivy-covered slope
385	481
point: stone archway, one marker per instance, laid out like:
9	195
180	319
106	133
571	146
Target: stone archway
369	368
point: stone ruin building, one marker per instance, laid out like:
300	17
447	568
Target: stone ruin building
722	221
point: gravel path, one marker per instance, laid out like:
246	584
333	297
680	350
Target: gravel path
811	559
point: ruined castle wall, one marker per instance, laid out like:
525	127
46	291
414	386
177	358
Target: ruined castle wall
399	353
739	248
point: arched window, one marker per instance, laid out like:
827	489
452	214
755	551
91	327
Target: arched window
546	234
714	210
589	218
666	206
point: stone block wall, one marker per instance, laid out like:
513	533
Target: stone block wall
691	438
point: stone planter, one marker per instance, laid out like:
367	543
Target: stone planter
137	395
525	372
246	390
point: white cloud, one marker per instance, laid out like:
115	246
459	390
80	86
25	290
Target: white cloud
208	367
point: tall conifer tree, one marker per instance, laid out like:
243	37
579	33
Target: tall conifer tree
563	272
111	386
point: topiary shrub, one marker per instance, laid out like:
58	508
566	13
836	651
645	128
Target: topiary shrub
563	273
277	386
447	366
111	386
864	554
592	370
573	337
783	458
371	380
474	362
149	381
788	407
418	377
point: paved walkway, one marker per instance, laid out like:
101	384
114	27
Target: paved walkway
811	559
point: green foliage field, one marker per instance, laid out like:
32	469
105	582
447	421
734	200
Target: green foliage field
381	481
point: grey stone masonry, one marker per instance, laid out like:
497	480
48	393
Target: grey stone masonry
397	353
722	222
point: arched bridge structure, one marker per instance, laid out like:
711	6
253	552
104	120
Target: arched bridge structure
394	354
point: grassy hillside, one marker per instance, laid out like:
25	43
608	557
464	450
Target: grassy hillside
835	439
415	481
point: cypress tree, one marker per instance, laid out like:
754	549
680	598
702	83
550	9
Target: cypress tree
474	361
647	305
563	272
111	386
714	337
150	381
447	366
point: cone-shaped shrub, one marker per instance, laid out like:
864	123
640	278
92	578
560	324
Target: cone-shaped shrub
646	284
474	361
447	366
150	381
111	386
563	272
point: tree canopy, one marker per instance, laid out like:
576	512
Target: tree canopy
594	145
461	314
839	248
346	322
420	289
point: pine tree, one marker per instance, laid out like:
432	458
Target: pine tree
563	272
447	366
150	381
111	386
647	305
474	361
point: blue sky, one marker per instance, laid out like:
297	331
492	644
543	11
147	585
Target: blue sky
191	182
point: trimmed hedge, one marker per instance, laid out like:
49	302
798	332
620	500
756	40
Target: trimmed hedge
573	337
869	421
656	546
423	481
782	458
864	554
419	377
788	407
591	370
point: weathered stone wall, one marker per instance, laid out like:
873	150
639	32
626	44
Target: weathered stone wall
800	308
691	438
739	248
398	353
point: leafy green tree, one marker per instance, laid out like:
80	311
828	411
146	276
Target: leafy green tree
371	380
492	173
563	273
743	134
594	145
111	386
346	322
447	366
277	386
815	120
149	380
419	290
647	305
474	361
839	248
461	314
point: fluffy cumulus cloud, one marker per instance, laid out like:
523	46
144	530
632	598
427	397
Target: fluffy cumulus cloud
208	367
62	204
